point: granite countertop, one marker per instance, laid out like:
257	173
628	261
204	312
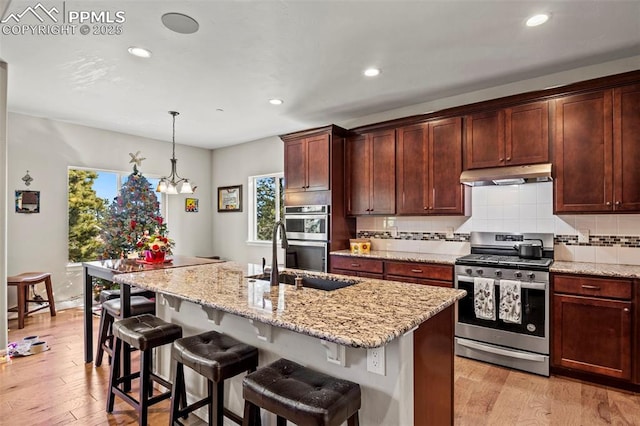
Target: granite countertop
603	269
407	256
368	314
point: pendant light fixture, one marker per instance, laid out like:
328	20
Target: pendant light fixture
174	184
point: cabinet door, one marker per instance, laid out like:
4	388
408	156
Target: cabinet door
383	172
317	160
583	151
626	145
592	335
358	172
446	195
484	144
527	134
412	163
295	165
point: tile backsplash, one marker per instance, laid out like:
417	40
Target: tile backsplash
517	208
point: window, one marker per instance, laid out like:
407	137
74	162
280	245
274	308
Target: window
266	205
90	192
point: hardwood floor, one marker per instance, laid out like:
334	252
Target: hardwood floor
57	388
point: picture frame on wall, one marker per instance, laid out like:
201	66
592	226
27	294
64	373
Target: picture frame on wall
191	205
230	198
27	201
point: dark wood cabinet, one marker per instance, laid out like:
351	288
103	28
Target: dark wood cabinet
592	323
597	152
419	273
371	183
306	163
355	266
511	136
626	148
429	163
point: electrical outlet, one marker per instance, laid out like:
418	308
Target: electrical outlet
376	361
583	235
449	232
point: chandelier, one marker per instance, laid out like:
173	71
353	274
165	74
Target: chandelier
174	184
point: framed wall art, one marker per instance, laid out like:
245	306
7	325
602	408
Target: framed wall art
27	201
230	198
191	205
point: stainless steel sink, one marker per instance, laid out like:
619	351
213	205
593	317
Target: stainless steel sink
307	281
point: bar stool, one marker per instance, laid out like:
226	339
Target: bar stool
115	293
217	357
110	311
300	395
23	282
143	332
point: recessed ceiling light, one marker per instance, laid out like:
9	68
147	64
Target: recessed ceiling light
276	101
140	52
371	72
536	20
180	23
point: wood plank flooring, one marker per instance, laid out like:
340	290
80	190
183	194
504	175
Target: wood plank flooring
57	388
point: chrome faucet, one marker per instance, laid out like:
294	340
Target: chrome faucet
274	256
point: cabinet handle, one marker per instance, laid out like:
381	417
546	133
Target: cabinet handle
590	287
626	309
508	158
417	271
608	203
355	265
618	203
426	208
501	159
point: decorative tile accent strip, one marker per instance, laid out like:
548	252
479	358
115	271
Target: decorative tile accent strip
600	240
415	236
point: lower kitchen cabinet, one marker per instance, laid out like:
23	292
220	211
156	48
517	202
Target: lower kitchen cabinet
592	325
408	272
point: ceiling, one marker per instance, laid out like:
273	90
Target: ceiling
310	53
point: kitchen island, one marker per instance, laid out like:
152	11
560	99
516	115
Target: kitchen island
394	339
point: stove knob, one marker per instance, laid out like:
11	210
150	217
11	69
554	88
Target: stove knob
498	273
531	275
480	271
469	271
517	274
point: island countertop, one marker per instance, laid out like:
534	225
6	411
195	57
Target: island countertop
368	314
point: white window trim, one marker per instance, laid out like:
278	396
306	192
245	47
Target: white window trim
251	211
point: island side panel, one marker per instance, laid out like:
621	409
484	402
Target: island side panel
433	370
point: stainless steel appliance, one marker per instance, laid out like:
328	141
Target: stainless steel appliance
522	343
308	234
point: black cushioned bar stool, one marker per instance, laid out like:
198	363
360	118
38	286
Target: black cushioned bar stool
217	357
300	395
115	293
143	332
111	310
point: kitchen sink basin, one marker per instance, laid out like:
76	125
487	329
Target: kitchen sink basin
307	281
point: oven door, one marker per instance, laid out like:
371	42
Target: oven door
534	306
307	255
307	226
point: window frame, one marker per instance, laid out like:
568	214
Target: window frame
252	221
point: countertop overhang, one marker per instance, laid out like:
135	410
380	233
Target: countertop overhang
368	314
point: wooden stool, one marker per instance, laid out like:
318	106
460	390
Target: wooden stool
217	357
300	395
110	311
23	282
143	332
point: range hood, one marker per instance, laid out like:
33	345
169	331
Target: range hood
510	175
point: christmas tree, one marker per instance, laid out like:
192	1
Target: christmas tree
132	216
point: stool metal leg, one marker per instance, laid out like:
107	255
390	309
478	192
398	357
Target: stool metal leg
177	392
353	420
145	384
281	421
216	409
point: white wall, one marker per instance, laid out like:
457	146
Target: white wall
47	148
233	166
3	204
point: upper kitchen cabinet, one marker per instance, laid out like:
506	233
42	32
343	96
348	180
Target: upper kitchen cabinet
511	136
429	163
370	170
313	165
597	151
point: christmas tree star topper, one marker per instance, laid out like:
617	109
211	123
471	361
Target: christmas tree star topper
136	158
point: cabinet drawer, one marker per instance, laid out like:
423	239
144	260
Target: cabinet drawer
420	270
599	287
423	281
357	264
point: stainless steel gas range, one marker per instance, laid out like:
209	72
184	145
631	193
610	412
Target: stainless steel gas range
504	319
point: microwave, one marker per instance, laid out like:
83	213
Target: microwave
309	223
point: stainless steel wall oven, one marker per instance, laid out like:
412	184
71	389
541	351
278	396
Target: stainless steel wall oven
308	234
